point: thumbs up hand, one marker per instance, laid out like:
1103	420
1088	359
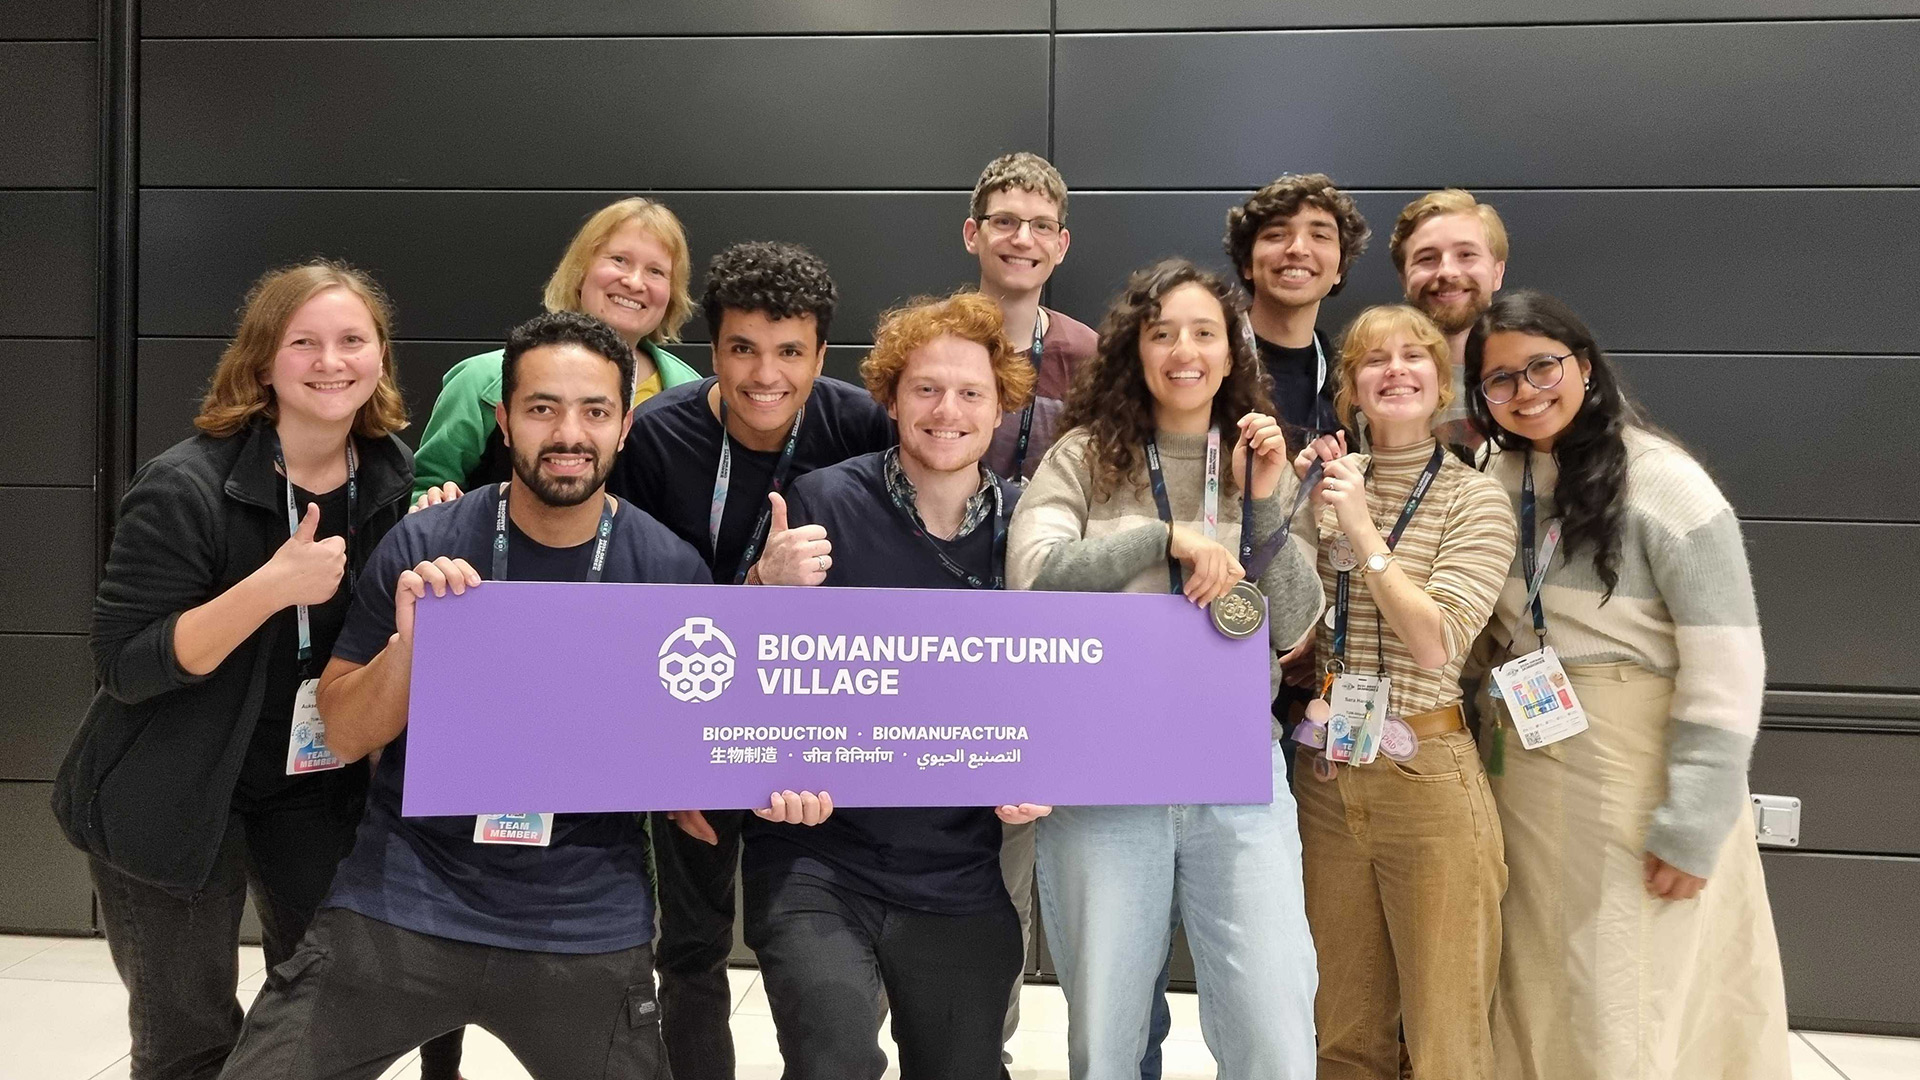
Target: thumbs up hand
799	556
306	569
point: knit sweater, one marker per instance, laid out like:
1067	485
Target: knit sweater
1062	538
1457	547
1684	609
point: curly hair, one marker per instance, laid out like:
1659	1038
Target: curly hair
776	279
236	395
967	315
562	291
1281	200
1369	331
566	328
1025	171
1592	451
1110	398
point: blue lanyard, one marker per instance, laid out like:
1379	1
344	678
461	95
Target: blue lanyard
301	616
1342	590
1157	479
1026	414
997	558
723	482
602	535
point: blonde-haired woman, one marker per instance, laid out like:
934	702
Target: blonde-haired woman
628	266
201	773
1402	853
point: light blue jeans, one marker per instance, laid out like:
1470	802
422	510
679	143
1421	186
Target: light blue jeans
1113	880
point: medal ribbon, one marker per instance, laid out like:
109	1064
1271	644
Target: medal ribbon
1342	589
301	616
1157	479
1026	414
998	557
602	535
723	480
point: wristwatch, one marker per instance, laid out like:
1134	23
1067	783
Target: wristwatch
1377	562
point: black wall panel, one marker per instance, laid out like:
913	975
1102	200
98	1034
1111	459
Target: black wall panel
716	113
1650	271
1792	436
52	114
47	263
49	682
47	19
1603	106
382	18
1251	14
48	437
1846	939
44	886
1842	780
468	265
1836	604
46	587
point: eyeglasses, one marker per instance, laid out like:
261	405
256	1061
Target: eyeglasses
1542	372
1003	225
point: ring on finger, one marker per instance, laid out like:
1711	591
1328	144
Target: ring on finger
820	563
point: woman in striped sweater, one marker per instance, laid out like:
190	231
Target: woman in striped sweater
1621	960
1402	853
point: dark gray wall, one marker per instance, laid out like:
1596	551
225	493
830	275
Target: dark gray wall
1728	189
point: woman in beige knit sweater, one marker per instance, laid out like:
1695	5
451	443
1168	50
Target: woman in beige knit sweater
1403	853
1639	943
1117	506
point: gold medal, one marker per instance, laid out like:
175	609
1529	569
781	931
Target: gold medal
1241	612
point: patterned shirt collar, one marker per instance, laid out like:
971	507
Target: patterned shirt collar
979	504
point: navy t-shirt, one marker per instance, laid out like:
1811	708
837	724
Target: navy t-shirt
939	859
1303	406
587	892
673	452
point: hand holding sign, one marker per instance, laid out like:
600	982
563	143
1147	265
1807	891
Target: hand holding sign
309	570
439	575
799	556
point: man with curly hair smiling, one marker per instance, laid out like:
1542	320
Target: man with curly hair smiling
702	459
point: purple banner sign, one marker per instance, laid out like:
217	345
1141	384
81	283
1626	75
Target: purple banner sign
570	698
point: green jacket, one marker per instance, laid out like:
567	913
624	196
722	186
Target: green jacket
462	423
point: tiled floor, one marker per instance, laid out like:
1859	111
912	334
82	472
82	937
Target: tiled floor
63	1016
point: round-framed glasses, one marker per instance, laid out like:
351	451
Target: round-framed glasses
1542	373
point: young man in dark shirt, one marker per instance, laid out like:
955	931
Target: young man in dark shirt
536	926
1293	242
702	458
909	901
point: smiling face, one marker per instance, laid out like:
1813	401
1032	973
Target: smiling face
1534	414
1021	260
1397	384
1296	260
1450	271
766	367
946	405
565	422
1185	354
329	360
629	282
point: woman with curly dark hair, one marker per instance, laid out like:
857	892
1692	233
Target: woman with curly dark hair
1614	831
1132	499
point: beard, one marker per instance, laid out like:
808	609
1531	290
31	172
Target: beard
1460	315
562	491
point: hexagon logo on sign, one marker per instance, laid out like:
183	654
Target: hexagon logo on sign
696	661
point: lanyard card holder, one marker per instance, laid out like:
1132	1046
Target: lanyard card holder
1359	705
307	742
1540	699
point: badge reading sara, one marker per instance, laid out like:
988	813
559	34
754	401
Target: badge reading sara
528	830
1540	699
307	743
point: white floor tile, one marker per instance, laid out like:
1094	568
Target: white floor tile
253	967
1043	1008
119	1070
407	1068
60	1030
17	947
740	980
753	1001
1868	1057
73	960
1807	1062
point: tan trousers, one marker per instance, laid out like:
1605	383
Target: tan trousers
1404	875
1600	981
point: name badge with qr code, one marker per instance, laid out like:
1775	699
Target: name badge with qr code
1540	699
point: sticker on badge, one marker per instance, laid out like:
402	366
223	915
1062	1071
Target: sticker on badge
1540	699
1398	741
528	830
1341	556
307	743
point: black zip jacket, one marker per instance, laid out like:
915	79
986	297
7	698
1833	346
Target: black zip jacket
149	780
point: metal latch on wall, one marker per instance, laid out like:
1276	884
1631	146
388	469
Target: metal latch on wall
1776	820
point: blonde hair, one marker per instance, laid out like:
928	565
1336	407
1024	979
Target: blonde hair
237	393
563	288
1439	204
1023	170
1368	331
966	315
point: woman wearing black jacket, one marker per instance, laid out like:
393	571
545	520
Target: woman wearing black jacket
198	774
